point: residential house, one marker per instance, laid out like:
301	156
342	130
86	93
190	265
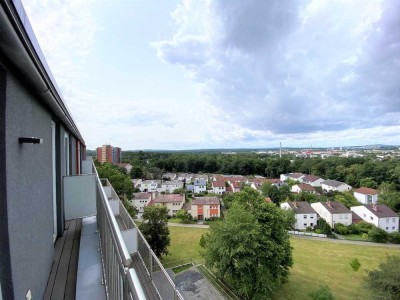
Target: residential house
219	187
312	180
200	176
150	186
127	167
378	214
185	177
140	201
366	195
205	208
170	186
236	186
303	187
305	215
169	176
292	176
333	212
173	202
199	186
136	182
333	185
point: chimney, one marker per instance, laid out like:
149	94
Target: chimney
295	204
374	207
329	203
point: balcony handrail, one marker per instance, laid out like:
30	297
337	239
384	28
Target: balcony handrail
149	248
125	256
134	284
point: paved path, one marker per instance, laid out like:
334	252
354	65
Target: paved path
306	237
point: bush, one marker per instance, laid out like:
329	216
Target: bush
323	293
324	227
365	236
378	235
394	237
363	227
309	228
352	228
341	229
318	231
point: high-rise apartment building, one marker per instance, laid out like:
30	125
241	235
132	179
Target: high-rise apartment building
108	153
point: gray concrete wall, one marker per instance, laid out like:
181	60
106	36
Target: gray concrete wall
29	190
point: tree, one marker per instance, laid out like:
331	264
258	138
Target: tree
384	282
136	172
323	293
347	199
378	235
183	215
155	229
250	248
355	265
324	226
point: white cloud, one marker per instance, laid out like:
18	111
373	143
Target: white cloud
298	67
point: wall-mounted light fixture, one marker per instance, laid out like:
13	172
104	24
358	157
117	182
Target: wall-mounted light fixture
30	140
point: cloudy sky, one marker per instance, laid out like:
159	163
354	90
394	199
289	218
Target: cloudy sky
225	73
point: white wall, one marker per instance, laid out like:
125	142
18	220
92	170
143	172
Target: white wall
364	198
386	224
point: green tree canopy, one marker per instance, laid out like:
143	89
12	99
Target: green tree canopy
250	248
384	282
155	228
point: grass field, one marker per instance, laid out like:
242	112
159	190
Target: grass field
316	263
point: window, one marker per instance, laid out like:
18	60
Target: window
311	217
372	217
305	216
311	224
387	228
340	216
394	220
346	216
393	227
305	224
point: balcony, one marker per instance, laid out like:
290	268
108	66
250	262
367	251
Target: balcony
103	254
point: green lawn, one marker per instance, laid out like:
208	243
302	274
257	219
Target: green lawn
353	237
316	263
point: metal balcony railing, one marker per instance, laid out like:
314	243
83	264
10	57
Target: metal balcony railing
123	245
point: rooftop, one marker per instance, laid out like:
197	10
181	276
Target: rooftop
381	211
310	178
301	207
169	198
335	207
333	183
141	195
366	191
205	201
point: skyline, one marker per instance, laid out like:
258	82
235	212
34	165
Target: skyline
191	75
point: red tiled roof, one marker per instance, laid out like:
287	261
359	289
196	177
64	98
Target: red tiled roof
310	178
169	198
306	187
218	183
229	189
366	191
205	201
237	184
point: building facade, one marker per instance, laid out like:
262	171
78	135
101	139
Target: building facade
305	215
366	195
203	208
108	153
40	145
379	215
333	212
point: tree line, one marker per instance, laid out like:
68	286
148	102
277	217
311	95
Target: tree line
363	171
